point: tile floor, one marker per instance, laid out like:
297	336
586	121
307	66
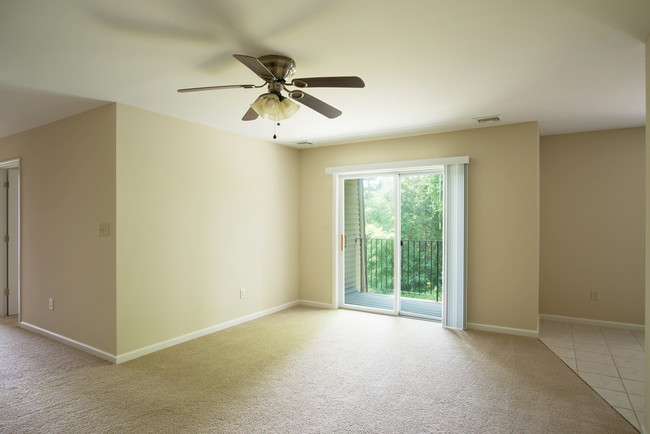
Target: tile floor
610	360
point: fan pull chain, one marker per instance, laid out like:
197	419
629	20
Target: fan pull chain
274	125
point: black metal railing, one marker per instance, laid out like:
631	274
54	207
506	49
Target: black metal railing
379	264
421	266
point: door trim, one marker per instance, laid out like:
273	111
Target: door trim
395	166
390	166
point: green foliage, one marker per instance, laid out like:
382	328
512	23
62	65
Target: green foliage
378	198
421	208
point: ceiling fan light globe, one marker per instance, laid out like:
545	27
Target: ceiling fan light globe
269	106
289	108
271	103
258	106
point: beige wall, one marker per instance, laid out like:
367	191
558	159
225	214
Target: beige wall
67	188
592	224
503	212
201	213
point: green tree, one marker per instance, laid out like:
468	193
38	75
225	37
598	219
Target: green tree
421	207
378	197
421	232
378	210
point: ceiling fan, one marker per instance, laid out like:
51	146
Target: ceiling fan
276	70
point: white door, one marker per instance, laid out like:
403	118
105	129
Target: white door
4	285
12	248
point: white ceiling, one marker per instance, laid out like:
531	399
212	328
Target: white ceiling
429	65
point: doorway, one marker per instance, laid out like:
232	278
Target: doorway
10	247
386	273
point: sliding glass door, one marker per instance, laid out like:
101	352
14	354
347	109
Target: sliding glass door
368	243
421	244
382	272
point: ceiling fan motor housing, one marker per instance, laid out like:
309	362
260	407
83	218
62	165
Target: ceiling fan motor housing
281	66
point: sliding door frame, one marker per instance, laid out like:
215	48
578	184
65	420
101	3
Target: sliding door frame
394	169
438	170
340	226
396	174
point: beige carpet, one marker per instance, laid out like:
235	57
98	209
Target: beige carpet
303	370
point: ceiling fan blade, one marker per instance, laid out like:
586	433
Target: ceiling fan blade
328	82
256	66
315	104
228	86
250	115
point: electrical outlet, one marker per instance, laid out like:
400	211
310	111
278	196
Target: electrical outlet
102	230
595	295
242	293
51	304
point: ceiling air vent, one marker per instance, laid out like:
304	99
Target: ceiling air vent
304	143
488	119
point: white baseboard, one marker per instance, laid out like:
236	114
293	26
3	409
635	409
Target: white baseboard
505	330
215	328
593	322
121	358
316	304
158	346
473	326
69	342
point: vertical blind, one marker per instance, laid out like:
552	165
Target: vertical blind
454	314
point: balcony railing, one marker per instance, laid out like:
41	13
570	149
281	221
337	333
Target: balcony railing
421	273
